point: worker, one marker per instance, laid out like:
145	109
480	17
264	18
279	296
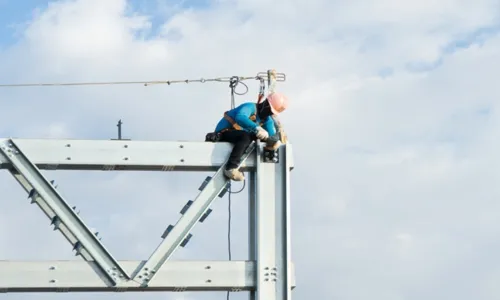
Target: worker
246	123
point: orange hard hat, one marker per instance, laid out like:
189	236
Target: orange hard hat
278	102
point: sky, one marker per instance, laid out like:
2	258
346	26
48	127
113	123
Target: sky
393	121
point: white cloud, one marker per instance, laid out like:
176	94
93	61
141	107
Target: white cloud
394	191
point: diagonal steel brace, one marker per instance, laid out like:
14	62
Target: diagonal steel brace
47	197
185	224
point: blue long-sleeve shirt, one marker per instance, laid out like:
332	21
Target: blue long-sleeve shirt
241	115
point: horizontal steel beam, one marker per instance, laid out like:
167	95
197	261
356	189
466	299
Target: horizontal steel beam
118	155
78	276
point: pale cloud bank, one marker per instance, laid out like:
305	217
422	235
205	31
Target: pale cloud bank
394	122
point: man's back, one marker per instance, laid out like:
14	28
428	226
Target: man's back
245	115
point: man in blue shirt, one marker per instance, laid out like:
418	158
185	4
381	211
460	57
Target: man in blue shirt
247	122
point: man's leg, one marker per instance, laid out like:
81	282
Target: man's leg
241	140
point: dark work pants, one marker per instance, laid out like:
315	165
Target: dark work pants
241	140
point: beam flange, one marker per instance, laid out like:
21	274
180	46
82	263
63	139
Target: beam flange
117	155
78	276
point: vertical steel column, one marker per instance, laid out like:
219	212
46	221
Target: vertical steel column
273	236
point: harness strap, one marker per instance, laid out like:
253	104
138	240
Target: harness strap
231	120
235	125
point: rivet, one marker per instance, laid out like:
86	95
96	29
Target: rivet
125	146
52	281
208	267
68	145
68	158
182	159
209	280
52	268
181	146
126	158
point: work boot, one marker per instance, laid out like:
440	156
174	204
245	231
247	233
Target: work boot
234	174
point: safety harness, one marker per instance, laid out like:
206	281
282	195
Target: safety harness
235	125
282	135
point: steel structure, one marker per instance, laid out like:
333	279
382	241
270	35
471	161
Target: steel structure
267	273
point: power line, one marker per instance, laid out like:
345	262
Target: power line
261	75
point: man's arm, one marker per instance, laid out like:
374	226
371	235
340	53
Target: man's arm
269	126
242	117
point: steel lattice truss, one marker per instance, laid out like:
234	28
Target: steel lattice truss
267	274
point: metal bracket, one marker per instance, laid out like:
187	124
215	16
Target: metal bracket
279	76
270	156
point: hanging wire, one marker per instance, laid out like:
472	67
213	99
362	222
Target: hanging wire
233	83
229	223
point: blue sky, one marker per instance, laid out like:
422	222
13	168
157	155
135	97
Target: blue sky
12	14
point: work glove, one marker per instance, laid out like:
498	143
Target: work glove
273	146
262	134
